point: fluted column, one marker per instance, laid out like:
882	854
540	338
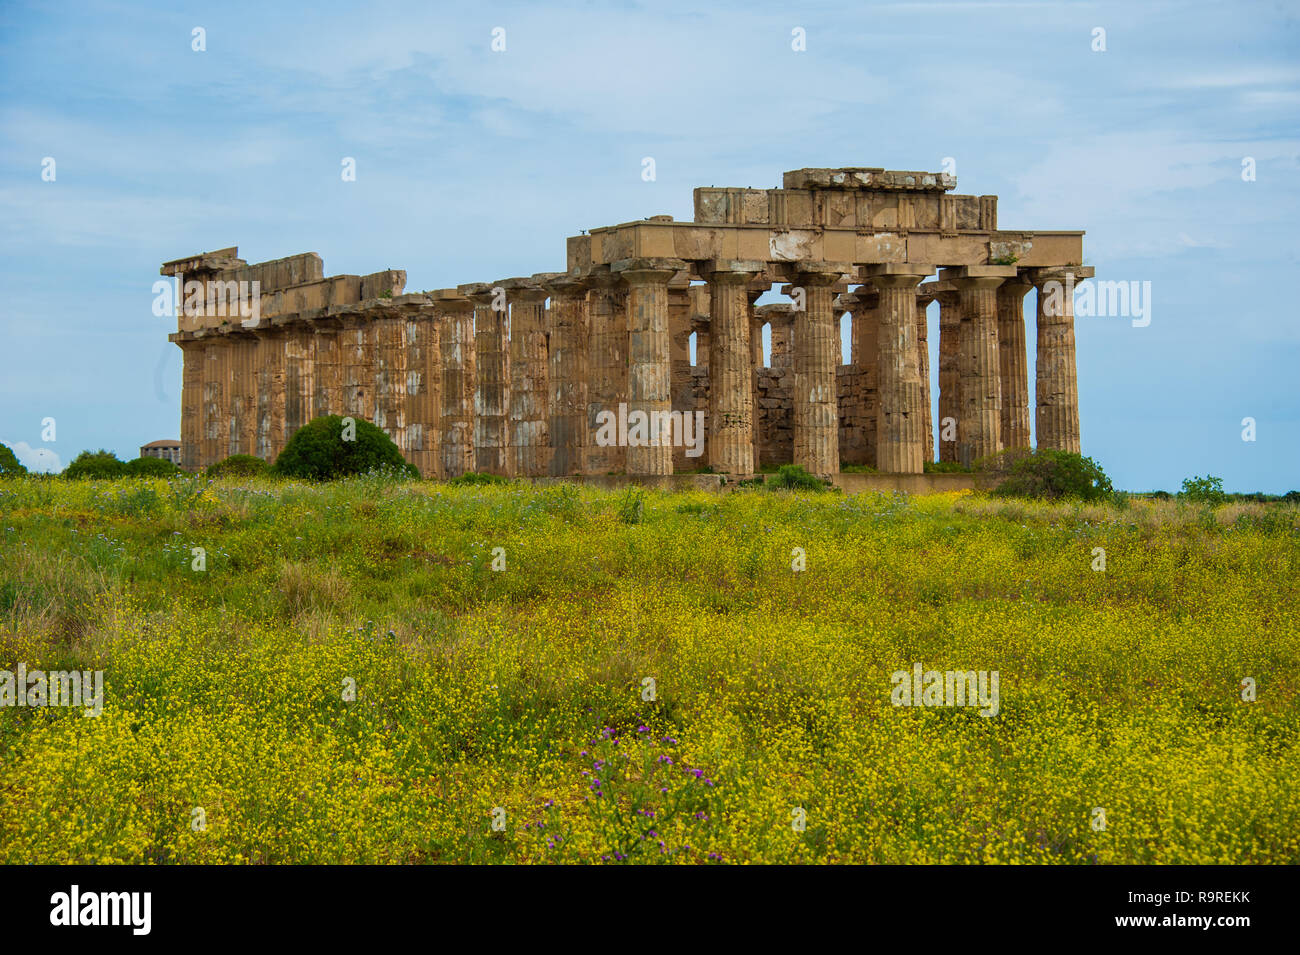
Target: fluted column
731	442
1013	362
192	358
356	353
649	378
864	353
456	342
492	379
299	376
569	375
424	392
390	375
816	356
210	444
924	296
949	377
246	392
530	387
607	356
979	426
1056	391
900	426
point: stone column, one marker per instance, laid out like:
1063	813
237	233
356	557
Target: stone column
192	356
1056	391
900	425
246	392
680	309
607	354
424	391
731	443
569	375
816	357
979	425
210	444
924	296
1013	362
530	386
328	383
492	379
864	313
649	377
456	342
356	355
949	399
299	376
390	375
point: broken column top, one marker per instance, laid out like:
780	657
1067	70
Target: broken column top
218	261
868	178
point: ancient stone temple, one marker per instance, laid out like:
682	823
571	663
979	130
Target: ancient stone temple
589	370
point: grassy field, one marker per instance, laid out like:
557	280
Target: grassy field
517	696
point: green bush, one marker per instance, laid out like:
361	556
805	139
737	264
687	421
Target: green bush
1203	490
238	465
9	463
151	467
473	478
794	477
631	506
945	467
99	464
318	452
1048	474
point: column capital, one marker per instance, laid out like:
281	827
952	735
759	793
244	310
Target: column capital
977	276
566	283
817	273
894	274
449	300
729	270
1039	276
645	270
604	279
777	314
526	290
480	293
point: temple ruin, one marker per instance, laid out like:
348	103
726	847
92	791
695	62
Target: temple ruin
520	377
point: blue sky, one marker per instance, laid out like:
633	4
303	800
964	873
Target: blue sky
474	165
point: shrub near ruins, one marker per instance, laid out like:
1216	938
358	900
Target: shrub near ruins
239	465
98	465
1049	474
332	447
9	464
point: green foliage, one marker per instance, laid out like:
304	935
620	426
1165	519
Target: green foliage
9	463
945	467
238	465
473	479
151	467
631	506
1203	490
794	477
99	465
856	469
1048	474
318	452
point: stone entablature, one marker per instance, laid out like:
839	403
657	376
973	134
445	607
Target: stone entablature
513	376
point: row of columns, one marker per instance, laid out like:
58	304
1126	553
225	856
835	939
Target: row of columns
489	379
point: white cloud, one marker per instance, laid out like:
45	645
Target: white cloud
40	460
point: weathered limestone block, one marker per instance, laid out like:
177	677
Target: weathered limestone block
1057	384
456	340
900	442
192	353
568	374
1013	362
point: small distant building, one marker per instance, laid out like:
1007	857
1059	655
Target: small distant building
167	449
